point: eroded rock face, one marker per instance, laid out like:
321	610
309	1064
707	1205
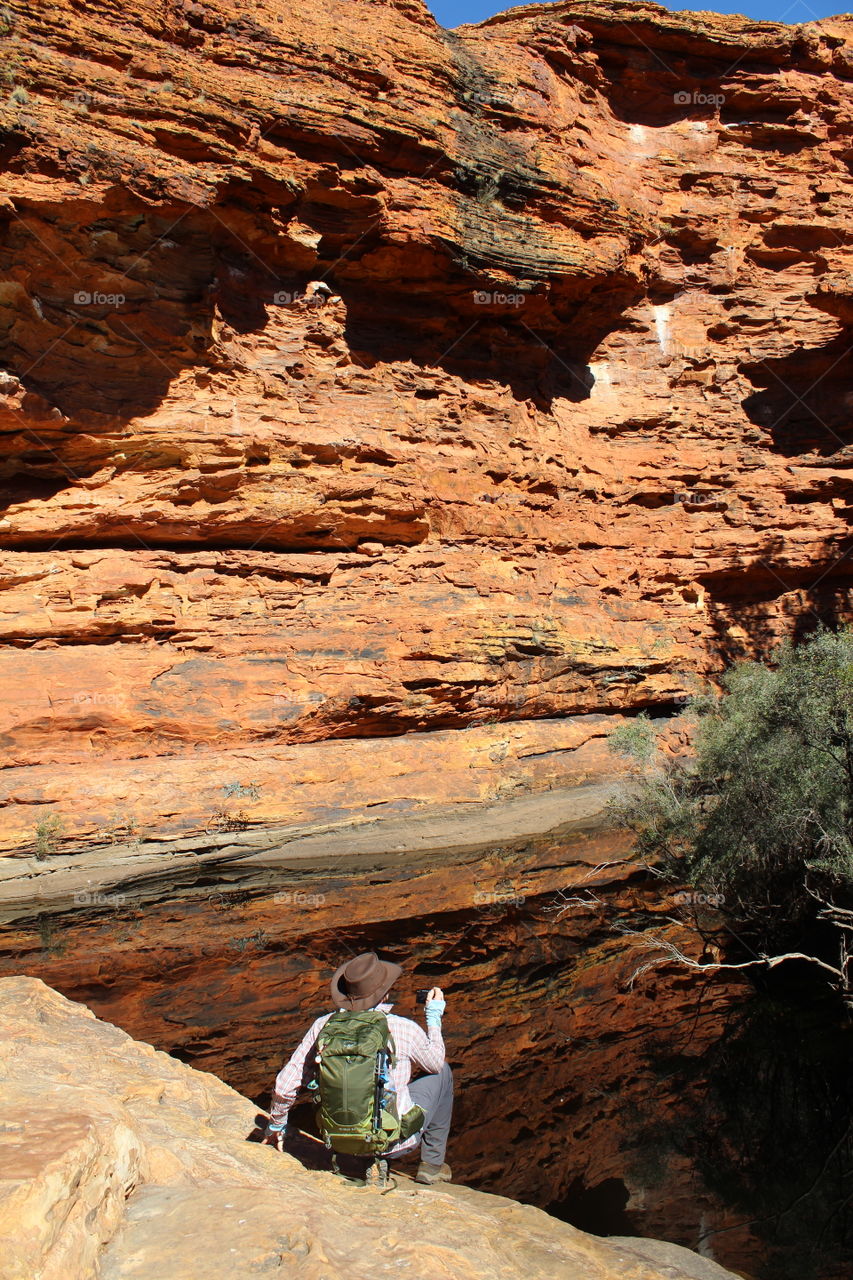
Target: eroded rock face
364	380
117	1161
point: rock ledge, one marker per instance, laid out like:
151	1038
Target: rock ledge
117	1161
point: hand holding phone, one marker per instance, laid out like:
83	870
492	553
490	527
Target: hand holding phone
435	1006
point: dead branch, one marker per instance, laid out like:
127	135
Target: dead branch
673	954
840	916
623	862
590	903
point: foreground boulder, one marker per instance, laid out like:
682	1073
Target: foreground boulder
117	1161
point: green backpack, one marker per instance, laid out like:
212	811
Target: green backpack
356	1103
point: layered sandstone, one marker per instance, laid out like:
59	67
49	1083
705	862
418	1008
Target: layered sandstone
567	429
317	604
116	1161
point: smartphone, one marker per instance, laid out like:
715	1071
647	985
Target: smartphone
422	994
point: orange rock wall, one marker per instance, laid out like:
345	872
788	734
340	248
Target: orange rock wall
569	429
563	430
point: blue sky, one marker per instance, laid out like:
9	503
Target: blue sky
451	13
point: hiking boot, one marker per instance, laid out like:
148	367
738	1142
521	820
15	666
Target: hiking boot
379	1176
430	1173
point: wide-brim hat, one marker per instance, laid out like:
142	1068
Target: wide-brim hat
361	982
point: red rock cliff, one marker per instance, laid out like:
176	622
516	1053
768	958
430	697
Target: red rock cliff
566	424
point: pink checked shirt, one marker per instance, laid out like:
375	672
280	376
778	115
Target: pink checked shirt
414	1047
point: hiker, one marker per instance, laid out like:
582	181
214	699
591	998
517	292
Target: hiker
364	1107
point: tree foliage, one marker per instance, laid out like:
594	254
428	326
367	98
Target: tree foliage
761	815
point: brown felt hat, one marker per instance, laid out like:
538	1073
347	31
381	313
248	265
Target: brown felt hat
362	982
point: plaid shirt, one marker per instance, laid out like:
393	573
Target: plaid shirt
414	1047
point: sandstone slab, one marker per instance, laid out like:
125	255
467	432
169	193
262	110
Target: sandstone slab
148	1173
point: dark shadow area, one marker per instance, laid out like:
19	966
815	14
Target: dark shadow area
803	400
306	134
828	606
600	1210
553	1107
13	140
740	110
643	89
656	77
539	367
23	488
136	303
304	1144
772	1134
114	307
744	600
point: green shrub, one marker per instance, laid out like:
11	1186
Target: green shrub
48	832
634	738
259	940
762	815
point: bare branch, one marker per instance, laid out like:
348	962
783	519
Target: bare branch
842	917
819	746
673	954
591	902
622	862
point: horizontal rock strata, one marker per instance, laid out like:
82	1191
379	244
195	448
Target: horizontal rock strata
363	379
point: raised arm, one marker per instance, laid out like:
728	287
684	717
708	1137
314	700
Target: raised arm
428	1047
